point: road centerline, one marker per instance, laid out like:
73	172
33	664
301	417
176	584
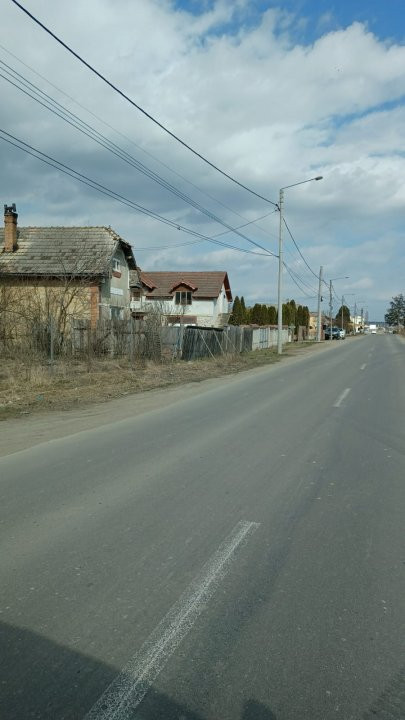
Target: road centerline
129	688
341	397
363	367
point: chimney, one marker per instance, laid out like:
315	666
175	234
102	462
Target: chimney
10	228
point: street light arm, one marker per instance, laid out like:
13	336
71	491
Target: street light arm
319	177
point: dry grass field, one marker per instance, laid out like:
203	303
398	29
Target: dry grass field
28	387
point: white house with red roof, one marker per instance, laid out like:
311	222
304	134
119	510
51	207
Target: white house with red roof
183	297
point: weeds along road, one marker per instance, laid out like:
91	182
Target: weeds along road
237	554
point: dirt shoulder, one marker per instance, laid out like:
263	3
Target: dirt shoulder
44	406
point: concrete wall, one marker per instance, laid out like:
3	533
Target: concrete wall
265	337
115	290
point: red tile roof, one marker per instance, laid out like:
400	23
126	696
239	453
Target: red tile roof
208	284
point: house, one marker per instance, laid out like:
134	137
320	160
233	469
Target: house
313	324
185	297
79	271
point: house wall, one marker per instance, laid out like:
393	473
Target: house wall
115	290
34	301
209	312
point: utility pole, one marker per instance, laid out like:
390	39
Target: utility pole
280	260
341	312
362	320
319	328
355	319
330	308
280	274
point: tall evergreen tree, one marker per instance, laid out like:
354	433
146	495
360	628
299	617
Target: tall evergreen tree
263	315
256	314
272	315
299	317
243	309
236	315
346	316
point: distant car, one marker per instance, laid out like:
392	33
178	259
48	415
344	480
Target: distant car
335	333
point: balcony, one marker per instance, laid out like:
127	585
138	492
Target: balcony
140	306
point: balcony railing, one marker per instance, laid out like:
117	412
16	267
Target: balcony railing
141	306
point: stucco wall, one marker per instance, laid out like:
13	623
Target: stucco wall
208	311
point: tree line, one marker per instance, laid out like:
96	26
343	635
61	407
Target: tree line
260	314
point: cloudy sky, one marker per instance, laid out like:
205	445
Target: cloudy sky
272	93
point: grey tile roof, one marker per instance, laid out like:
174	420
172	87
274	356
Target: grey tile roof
53	251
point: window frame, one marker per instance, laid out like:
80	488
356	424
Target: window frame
183	297
116	312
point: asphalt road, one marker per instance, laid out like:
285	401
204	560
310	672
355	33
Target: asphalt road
235	555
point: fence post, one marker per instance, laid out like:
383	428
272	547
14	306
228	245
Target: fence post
89	346
131	343
51	341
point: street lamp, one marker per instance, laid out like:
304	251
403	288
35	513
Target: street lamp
345	277
280	260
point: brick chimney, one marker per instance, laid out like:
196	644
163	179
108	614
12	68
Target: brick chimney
10	228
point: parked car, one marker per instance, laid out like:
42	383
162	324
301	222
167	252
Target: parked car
342	333
335	333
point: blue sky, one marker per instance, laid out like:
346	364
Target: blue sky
272	93
314	17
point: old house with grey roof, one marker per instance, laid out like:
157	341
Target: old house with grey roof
84	270
183	297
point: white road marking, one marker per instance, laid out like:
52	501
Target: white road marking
341	397
129	688
362	367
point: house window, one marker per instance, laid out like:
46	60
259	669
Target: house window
116	313
116	265
183	297
136	294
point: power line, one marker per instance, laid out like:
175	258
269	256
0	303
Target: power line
102	140
194	242
131	141
296	282
62	167
296	245
297	279
297	263
138	107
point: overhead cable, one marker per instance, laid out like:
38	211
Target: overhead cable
75	121
137	106
194	242
62	167
296	245
131	141
296	282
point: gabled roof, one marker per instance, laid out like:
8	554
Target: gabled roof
56	251
183	283
207	283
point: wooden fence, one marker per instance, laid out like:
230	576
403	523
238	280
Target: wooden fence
133	339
